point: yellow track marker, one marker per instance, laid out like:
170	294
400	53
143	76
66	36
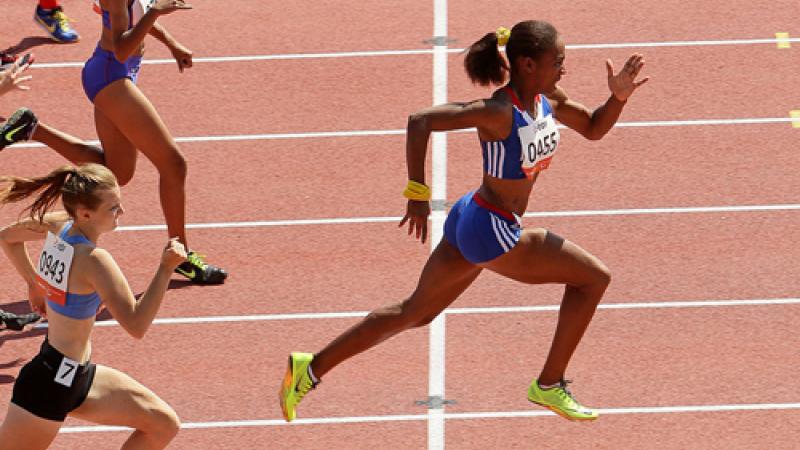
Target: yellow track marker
783	40
795	115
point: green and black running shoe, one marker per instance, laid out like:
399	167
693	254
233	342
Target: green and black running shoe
561	401
200	272
18	127
296	384
17	322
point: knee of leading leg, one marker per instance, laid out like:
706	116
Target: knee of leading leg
601	277
180	168
594	280
124	178
174	166
123	173
164	423
605	275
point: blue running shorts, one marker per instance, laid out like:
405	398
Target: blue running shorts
479	230
103	68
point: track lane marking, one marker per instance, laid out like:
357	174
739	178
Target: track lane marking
635	410
458	311
538	214
428	51
401	132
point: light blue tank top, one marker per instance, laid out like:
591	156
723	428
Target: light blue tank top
77	306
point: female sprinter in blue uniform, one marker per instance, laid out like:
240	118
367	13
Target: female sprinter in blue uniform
68	282
518	137
124	118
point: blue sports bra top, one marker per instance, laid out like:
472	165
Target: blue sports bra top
529	146
77	306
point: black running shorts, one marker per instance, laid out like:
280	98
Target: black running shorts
52	385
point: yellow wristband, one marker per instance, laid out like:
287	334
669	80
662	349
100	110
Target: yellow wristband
417	191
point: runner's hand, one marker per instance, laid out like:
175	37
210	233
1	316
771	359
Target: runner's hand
174	254
624	83
163	7
417	217
12	78
36	300
182	55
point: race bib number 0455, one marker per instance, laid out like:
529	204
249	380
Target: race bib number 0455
539	141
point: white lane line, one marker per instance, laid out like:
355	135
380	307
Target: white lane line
701	43
257	423
702	122
437	328
400	132
259	137
674	210
394	219
256	58
639	305
458	311
413	52
637	410
450	416
267	223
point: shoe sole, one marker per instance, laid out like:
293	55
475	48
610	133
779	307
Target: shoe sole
563	414
200	282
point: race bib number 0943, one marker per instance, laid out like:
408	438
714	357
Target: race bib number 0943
53	268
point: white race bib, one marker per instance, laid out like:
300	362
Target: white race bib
539	141
66	372
138	9
52	270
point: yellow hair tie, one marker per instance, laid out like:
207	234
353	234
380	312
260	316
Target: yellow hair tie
502	34
417	191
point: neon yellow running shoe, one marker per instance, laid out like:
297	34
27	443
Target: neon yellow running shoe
560	400
296	383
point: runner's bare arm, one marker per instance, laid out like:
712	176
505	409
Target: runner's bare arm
14	236
126	42
135	316
592	125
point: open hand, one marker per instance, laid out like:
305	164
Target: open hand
12	78
624	83
36	299
417	217
163	7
